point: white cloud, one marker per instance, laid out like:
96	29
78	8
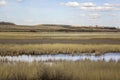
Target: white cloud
99	8
108	4
112	5
88	4
2	3
71	4
93	7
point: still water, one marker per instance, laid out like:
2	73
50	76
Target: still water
29	58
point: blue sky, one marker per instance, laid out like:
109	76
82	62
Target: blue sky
71	12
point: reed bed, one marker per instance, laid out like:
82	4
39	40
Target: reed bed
81	70
37	49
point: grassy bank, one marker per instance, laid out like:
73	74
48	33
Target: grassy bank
84	70
59	35
35	49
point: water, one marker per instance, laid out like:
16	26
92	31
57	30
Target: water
106	57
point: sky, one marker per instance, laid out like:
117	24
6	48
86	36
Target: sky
69	12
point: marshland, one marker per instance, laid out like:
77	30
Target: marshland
67	70
59	52
38	49
35	43
59	39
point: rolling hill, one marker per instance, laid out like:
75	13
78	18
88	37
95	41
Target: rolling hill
11	27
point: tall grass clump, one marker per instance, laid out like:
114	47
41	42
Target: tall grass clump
36	49
83	70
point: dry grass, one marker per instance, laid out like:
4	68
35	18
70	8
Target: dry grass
84	70
62	35
35	49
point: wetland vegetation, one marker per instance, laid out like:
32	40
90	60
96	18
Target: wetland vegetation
67	70
18	40
36	49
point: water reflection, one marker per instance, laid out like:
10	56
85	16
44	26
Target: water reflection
106	57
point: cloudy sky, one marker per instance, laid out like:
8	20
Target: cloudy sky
72	12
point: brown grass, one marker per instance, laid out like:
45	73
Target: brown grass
83	70
35	49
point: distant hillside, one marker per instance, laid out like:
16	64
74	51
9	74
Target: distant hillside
6	23
11	27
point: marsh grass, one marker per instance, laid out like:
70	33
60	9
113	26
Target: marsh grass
81	70
36	49
59	35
